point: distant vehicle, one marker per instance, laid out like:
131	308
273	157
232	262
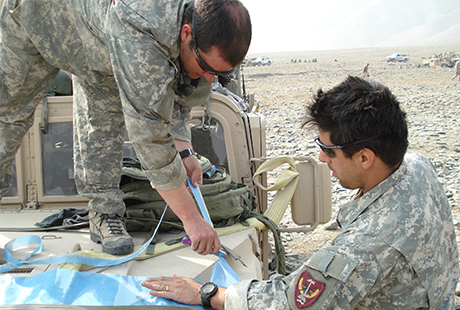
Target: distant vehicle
431	62
397	57
446	59
260	61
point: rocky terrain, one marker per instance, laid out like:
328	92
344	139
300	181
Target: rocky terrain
428	95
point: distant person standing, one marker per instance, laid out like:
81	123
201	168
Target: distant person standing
457	70
366	71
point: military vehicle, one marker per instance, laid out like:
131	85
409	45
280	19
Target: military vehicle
227	129
431	62
446	59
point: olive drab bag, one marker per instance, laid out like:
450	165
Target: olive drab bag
228	202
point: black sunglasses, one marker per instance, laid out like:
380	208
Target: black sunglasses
328	149
202	63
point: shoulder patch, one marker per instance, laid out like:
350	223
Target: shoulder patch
307	290
328	271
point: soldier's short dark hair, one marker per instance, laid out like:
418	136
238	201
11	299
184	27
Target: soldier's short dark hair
224	24
359	109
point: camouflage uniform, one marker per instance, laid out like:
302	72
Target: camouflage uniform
124	56
397	250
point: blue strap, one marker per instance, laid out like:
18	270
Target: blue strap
199	199
204	211
17	243
29	240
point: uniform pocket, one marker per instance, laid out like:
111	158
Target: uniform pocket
333	265
12	65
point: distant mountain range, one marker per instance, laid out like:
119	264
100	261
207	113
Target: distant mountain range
384	23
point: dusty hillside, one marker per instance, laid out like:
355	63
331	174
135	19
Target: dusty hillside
428	95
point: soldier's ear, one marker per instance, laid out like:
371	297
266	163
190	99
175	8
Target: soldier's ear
185	32
366	158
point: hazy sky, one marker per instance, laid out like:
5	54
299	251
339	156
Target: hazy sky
305	25
278	25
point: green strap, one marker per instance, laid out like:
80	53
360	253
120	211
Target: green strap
279	248
285	186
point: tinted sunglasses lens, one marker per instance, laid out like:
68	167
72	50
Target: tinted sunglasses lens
208	69
204	66
329	152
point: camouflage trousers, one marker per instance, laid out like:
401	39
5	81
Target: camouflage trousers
25	77
98	138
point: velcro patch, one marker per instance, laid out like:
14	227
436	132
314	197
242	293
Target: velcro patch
307	290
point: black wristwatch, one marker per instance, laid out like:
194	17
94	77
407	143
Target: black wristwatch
208	290
186	153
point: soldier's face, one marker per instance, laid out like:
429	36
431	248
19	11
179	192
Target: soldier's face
346	170
198	66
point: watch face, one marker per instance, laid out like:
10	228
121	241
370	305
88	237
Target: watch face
207	288
207	291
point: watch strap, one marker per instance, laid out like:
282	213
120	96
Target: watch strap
206	296
186	153
206	302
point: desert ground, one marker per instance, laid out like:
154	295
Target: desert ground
429	96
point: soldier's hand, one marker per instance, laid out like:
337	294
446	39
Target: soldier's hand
203	236
181	289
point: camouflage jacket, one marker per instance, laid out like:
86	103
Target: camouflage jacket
397	250
138	42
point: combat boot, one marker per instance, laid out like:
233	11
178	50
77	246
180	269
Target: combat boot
110	230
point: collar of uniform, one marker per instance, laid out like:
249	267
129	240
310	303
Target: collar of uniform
351	210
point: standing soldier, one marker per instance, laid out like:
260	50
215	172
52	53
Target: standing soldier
457	70
142	64
366	70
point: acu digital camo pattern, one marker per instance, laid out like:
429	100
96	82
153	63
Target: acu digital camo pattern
397	250
125	57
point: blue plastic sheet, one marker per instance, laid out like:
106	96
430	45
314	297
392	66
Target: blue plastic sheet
69	287
223	275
